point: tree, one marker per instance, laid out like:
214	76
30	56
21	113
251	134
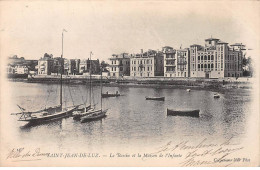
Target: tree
247	66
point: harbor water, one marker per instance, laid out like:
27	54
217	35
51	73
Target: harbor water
132	121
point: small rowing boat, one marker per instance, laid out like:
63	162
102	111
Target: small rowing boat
104	95
191	113
216	95
155	98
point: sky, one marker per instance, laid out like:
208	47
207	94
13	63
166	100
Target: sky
30	29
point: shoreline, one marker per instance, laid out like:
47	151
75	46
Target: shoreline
219	85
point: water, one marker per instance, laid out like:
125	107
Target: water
132	121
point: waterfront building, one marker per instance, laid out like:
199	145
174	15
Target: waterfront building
84	66
45	65
21	69
119	65
148	64
170	62
215	60
176	62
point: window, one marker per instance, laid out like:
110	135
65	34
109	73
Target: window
148	68
198	57
212	57
212	66
205	65
205	57
209	66
208	57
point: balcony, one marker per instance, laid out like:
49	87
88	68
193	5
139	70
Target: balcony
182	63
170	58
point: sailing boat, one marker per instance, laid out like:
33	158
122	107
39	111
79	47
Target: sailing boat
94	114
50	113
84	111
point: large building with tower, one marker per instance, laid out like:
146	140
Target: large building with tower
215	60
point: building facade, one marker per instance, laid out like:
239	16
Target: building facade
148	64
215	60
45	65
119	65
170	61
84	66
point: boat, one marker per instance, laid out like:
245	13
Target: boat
104	95
155	98
77	114
188	90
216	95
86	110
191	113
94	114
50	113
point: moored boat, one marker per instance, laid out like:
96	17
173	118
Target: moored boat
191	113
50	113
155	98
81	112
45	116
104	95
94	115
188	90
216	95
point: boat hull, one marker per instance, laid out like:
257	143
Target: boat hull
190	113
57	116
104	95
84	113
100	115
155	98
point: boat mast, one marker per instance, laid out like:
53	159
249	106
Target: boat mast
90	79
61	69
101	88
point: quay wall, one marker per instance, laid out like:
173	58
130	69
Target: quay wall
242	82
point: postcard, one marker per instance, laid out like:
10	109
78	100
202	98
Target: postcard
133	83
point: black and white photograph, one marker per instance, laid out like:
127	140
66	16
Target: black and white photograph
129	83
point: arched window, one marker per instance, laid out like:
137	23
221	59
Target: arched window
205	57
212	57
201	65
198	65
205	65
208	65
212	66
198	57
208	57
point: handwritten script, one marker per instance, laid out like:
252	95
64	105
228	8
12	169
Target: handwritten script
205	153
184	153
